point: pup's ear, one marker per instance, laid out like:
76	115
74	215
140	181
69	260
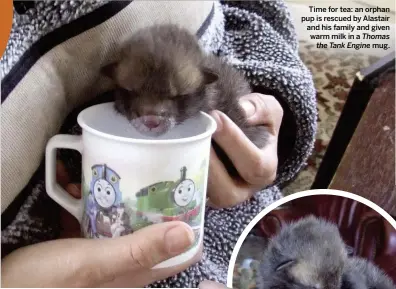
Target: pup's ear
284	265
109	70
209	75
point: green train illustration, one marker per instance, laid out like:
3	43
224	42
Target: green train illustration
168	201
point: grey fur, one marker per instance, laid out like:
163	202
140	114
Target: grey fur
310	254
362	274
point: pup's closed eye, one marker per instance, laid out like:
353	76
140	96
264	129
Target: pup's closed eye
131	92
182	96
285	264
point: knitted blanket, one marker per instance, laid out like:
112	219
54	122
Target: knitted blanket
257	37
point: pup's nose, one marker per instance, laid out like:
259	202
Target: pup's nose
151	121
151	124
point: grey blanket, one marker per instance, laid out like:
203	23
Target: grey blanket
259	39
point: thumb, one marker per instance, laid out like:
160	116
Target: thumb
261	109
145	248
89	263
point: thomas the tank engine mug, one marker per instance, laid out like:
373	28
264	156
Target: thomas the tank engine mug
130	181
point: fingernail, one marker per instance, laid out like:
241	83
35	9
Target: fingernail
248	107
179	238
215	114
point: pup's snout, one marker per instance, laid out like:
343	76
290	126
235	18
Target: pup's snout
151	121
151	124
151	110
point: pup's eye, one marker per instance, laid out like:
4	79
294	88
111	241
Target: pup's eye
284	265
181	96
125	92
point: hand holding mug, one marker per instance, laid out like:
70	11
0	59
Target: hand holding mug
257	167
124	261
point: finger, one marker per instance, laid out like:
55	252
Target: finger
145	277
74	190
206	284
88	263
141	250
62	176
223	191
261	109
246	157
70	227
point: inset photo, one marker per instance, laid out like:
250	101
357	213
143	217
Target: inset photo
322	239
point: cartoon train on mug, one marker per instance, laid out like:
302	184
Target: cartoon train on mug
108	215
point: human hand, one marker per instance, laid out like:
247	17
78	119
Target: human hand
76	262
257	167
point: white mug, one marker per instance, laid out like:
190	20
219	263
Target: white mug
130	181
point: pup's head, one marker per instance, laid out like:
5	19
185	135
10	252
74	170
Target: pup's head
160	78
308	254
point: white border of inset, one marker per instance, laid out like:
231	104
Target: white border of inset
289	198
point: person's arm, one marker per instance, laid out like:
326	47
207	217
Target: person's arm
81	262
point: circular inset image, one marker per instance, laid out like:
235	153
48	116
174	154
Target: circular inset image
321	239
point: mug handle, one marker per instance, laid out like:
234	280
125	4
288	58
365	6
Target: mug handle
54	190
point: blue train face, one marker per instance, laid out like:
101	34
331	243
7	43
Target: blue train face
105	186
104	193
